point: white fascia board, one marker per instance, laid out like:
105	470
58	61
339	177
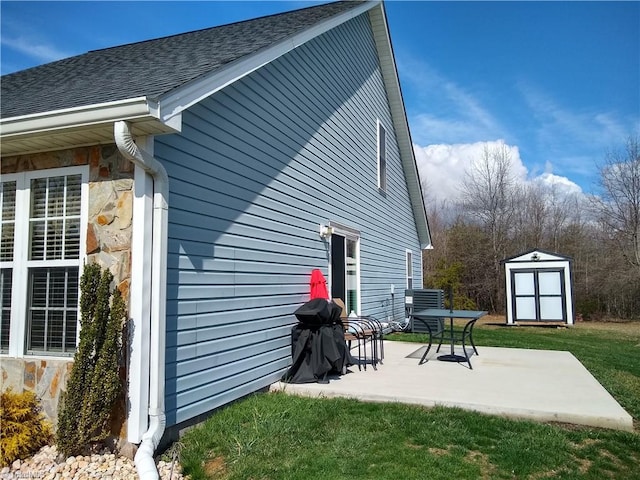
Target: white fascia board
399	117
184	97
129	109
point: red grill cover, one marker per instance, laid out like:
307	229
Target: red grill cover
318	285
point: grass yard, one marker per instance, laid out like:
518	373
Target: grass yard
277	436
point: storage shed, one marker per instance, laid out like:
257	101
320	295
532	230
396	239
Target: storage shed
539	288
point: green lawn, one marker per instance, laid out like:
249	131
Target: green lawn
278	436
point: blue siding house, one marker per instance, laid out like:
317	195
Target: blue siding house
214	170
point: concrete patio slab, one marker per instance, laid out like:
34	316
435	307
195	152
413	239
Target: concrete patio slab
540	385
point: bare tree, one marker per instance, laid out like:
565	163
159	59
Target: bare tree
618	205
488	196
488	193
530	217
562	208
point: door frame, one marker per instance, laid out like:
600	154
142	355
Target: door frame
536	295
353	235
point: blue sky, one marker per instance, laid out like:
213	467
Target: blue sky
557	82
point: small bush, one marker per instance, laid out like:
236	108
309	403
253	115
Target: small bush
23	427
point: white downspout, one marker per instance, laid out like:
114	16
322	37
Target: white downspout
144	461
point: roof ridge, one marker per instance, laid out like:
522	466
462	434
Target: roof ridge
224	25
151	68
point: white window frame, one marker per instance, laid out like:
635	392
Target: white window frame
8	264
21	265
409	268
382	156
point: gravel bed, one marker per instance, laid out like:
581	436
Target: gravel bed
107	466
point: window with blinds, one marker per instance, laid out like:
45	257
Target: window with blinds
409	269
54	234
53	310
7	234
40	257
54	223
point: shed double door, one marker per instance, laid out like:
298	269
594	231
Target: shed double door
539	295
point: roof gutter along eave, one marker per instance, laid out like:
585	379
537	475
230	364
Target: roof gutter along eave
81	126
166	110
87	115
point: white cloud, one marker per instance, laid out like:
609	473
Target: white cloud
561	184
33	48
461	115
442	169
448	117
562	129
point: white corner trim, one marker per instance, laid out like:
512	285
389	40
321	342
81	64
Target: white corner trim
140	305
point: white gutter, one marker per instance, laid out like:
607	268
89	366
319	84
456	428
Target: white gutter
129	108
144	457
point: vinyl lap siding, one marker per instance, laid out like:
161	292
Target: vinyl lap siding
257	167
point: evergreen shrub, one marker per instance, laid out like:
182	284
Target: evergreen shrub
84	417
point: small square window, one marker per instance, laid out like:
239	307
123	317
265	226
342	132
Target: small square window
382	157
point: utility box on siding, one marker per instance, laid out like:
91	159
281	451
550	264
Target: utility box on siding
539	288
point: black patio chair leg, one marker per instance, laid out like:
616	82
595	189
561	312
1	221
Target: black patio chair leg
364	350
375	353
376	337
359	354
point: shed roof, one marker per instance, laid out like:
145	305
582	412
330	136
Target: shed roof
540	255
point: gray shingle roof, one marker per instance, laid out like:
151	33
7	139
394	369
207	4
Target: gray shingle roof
149	68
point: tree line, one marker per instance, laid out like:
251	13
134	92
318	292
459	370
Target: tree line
499	217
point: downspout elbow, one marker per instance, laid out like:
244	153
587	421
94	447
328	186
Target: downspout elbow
129	148
144	461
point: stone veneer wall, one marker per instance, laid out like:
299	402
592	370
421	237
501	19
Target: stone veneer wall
108	243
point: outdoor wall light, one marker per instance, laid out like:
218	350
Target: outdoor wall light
535	257
326	231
